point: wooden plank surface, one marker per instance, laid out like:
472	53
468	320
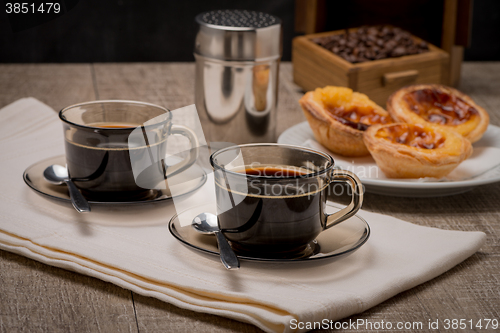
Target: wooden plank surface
55	85
40	298
37	297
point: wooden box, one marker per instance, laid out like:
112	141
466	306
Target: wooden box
316	67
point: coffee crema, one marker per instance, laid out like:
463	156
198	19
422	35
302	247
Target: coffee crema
274	171
113	125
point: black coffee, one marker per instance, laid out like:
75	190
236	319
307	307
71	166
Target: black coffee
274	171
273	218
99	162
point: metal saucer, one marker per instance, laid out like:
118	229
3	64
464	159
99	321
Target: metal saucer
188	181
336	242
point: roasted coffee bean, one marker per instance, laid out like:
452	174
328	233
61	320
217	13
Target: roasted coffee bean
398	51
372	43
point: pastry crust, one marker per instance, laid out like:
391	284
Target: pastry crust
441	105
416	150
338	117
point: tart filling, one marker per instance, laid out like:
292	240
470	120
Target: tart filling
358	118
350	108
412	135
440	105
440	108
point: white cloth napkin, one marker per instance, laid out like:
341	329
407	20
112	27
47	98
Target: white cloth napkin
131	247
485	157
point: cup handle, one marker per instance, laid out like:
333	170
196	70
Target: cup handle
356	201
193	152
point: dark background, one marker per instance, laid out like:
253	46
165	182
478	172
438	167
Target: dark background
162	30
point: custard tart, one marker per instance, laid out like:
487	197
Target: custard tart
441	105
338	117
416	150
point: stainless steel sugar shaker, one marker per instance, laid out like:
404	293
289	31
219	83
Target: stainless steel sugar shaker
237	63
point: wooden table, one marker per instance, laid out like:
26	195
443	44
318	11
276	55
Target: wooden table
35	297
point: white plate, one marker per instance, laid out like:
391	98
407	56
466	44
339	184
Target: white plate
300	133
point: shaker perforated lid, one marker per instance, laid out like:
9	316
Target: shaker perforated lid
241	35
238	19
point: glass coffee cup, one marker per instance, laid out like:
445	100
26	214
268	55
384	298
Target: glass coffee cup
116	150
271	198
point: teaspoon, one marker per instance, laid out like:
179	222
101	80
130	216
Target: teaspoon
57	174
207	223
